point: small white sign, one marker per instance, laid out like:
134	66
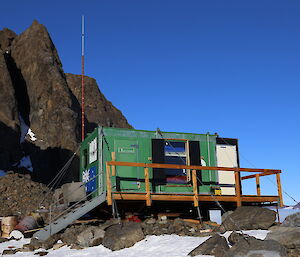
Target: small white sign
93	150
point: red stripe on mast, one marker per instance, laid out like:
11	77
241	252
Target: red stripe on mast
82	78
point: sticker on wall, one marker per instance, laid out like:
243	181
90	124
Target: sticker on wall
89	177
126	150
93	150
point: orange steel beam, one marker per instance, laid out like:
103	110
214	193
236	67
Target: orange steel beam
192	167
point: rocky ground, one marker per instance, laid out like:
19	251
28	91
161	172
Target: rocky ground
281	240
20	196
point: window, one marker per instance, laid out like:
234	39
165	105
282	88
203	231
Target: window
175	153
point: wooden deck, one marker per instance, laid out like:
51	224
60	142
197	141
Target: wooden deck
190	197
194	196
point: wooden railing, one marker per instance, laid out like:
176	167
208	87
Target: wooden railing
194	169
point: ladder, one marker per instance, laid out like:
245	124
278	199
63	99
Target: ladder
74	212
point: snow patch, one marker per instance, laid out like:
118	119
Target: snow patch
31	135
2	173
259	234
151	246
26	163
24	129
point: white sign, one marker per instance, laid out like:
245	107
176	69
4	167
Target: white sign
93	150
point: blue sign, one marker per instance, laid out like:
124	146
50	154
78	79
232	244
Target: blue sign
90	179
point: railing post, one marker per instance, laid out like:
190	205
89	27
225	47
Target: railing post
238	188
195	188
257	184
279	189
108	184
113	167
147	185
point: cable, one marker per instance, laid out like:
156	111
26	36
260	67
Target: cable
57	179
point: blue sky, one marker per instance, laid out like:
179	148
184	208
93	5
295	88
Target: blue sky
231	67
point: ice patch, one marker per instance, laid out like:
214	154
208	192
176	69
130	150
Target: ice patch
26	163
2	173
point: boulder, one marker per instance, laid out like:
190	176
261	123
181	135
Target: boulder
9	251
287	236
91	236
248	246
247	218
122	235
69	236
48	244
225	215
292	220
236	237
216	245
98	110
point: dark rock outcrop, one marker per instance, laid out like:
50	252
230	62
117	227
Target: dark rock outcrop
98	110
34	87
122	236
248	217
51	109
6	38
52	116
10	151
216	245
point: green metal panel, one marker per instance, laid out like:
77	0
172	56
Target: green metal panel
127	177
135	146
89	162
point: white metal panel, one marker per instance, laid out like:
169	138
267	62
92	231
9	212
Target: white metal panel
228	190
227	157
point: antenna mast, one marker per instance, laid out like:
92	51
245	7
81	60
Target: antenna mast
82	78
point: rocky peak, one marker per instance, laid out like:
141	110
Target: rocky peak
6	38
99	111
34	87
52	116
